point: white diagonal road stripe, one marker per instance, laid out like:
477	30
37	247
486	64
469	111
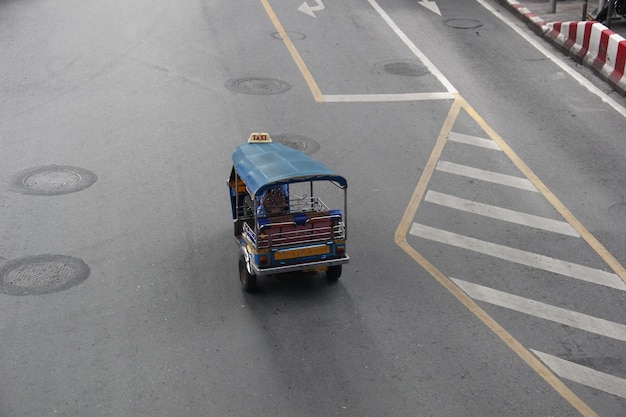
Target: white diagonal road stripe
500	213
489	176
545	311
583	375
473	140
534	260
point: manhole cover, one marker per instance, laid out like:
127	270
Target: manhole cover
298	142
463	23
42	274
52	180
257	86
406	68
617	209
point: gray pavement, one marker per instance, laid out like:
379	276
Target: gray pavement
604	54
137	93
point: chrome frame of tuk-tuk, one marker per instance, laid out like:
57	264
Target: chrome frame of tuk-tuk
255	207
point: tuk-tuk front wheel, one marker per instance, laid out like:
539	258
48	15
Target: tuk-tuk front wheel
333	273
248	280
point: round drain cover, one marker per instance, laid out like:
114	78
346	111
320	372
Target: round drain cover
617	209
297	142
41	274
257	86
52	180
463	23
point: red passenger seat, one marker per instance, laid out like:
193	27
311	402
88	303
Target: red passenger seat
297	228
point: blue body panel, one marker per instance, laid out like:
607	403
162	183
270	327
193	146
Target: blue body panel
266	165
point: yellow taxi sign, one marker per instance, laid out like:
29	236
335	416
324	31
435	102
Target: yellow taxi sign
259	138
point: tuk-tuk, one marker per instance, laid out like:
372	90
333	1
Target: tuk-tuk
277	230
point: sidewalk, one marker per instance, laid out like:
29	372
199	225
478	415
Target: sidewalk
591	43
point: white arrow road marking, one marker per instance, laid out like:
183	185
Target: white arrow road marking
583	375
544	311
305	8
534	260
430	5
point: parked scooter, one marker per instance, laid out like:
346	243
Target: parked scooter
602	12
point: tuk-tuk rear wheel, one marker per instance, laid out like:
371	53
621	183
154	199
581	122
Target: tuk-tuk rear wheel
333	273
248	280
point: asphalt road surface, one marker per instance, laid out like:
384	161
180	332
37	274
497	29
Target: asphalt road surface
487	213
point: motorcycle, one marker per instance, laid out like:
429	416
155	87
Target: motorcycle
618	9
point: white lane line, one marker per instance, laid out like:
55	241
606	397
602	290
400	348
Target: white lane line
500	213
559	62
365	98
544	311
431	67
489	176
583	375
533	260
473	140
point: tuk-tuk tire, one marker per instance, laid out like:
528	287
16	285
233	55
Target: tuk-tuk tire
333	273
248	280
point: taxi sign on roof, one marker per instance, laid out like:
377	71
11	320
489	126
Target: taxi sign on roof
259	138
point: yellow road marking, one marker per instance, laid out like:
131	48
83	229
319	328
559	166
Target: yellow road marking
359	98
403	229
317	94
543	189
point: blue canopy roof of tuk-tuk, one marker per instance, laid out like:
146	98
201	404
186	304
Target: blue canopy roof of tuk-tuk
266	165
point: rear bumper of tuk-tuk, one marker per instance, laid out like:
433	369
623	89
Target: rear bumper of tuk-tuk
302	266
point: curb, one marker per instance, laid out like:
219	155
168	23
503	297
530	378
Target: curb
591	43
596	46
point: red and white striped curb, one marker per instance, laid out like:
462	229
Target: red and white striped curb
528	14
596	45
593	43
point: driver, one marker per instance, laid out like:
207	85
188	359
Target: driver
274	201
